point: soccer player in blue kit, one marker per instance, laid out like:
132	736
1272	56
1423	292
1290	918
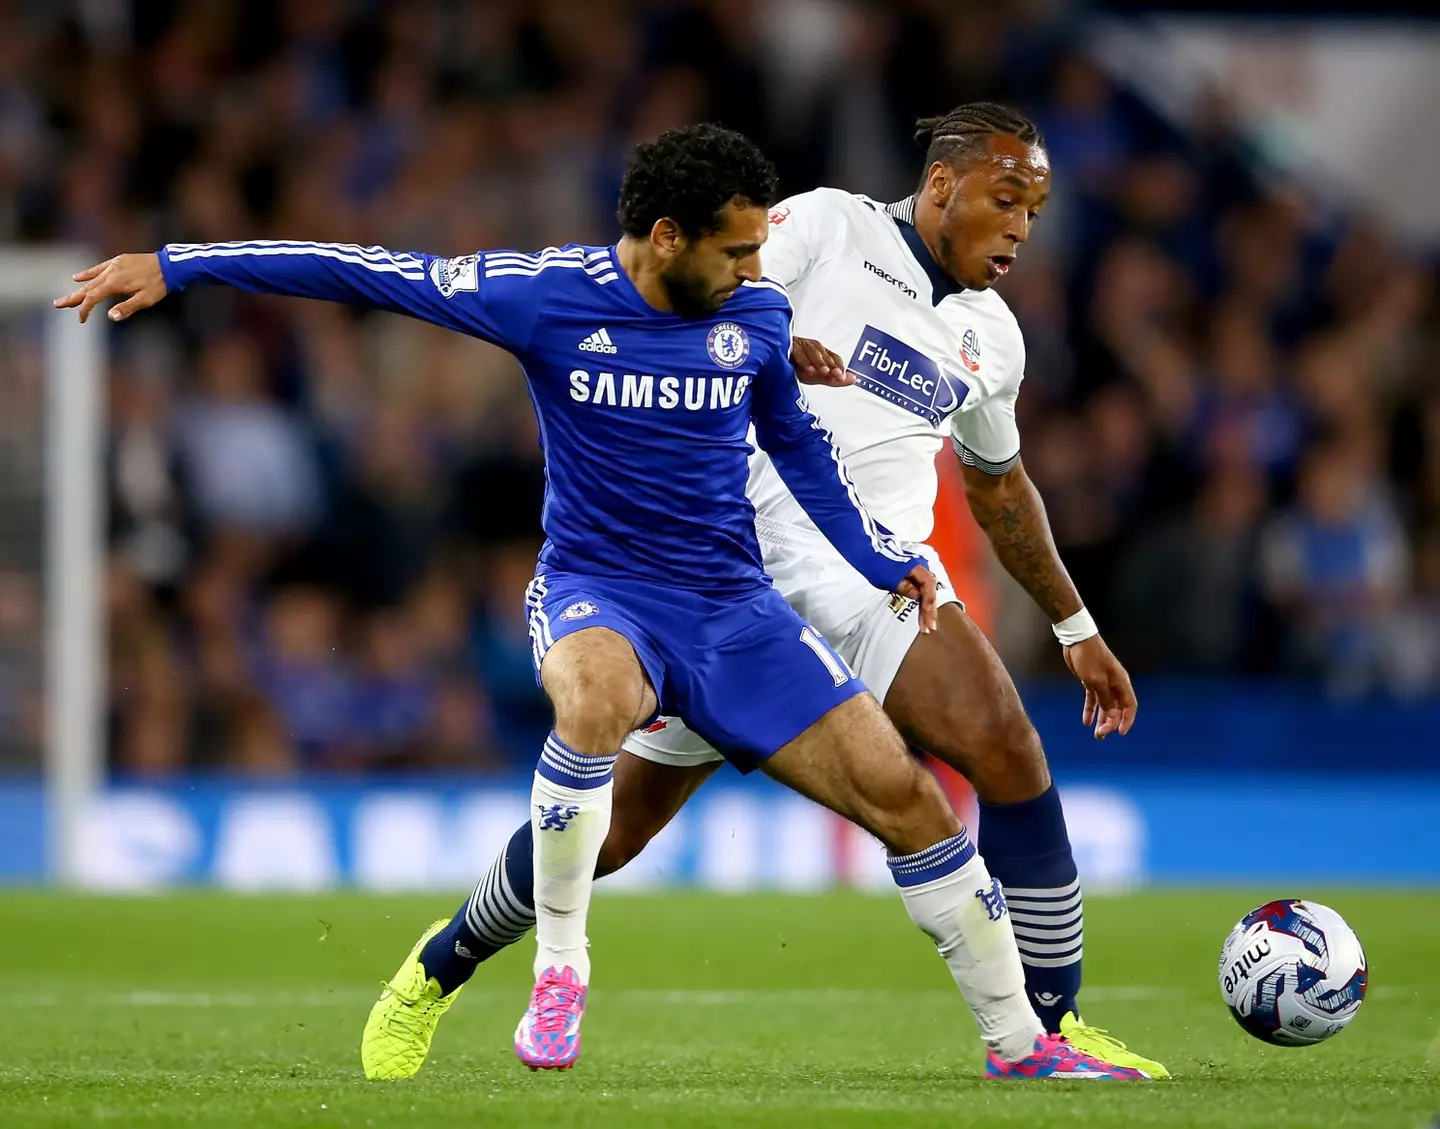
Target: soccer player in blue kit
648	363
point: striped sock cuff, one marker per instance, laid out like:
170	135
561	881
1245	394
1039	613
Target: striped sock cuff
1049	924
494	913
944	858
560	764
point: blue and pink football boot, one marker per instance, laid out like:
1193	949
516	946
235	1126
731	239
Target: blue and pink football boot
1054	1057
548	1037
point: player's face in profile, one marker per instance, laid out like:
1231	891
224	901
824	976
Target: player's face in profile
992	205
705	271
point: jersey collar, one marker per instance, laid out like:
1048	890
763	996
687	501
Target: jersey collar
941	284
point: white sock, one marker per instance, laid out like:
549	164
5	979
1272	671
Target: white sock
950	895
570	816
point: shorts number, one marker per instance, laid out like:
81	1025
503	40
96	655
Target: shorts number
837	667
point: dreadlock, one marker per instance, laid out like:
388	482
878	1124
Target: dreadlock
961	134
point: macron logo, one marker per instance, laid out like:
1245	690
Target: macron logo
599	342
904	287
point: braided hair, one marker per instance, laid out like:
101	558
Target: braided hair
964	132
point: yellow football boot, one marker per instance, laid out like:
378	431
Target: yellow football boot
1098	1042
403	1021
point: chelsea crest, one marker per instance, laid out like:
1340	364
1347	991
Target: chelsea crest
728	345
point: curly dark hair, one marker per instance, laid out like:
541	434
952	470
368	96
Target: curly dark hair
689	175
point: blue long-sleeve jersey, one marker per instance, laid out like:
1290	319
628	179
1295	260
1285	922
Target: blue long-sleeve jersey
643	415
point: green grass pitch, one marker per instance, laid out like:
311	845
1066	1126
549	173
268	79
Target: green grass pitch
210	1010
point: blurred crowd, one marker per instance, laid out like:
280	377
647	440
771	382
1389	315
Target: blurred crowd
321	522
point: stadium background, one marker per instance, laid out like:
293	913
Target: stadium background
319	523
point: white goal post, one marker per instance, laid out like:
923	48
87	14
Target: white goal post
74	632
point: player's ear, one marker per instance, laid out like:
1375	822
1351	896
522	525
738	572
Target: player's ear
940	183
666	237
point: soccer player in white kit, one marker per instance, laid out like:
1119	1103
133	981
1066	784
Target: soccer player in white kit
902	293
925	351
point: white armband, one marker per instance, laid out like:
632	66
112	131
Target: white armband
1076	628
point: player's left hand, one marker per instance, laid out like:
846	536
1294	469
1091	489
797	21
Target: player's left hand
1109	698
135	278
919	585
815	364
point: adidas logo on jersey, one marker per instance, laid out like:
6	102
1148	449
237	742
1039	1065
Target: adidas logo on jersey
599	342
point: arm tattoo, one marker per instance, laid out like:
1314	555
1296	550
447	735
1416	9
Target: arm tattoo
1012	514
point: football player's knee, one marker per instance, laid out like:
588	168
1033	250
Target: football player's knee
595	713
911	813
1003	754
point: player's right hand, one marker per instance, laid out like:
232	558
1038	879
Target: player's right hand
815	364
1109	696
135	278
919	585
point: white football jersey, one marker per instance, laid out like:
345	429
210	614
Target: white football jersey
929	357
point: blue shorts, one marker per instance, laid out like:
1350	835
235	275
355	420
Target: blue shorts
745	672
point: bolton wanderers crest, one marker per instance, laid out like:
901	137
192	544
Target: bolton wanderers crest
970	350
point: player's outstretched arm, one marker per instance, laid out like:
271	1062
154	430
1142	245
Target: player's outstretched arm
1010	510
454	293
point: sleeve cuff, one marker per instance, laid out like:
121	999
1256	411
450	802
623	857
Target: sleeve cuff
169	272
970	458
904	570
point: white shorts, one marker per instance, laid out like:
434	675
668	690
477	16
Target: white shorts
872	631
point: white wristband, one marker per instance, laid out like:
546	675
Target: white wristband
1076	628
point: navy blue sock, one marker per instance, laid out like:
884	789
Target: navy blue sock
498	913
1025	846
